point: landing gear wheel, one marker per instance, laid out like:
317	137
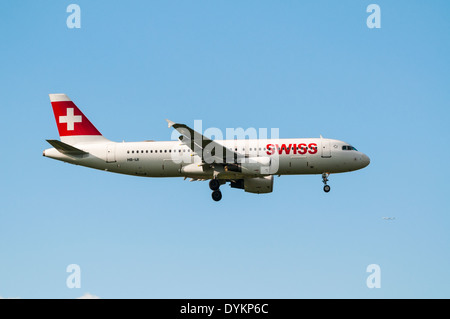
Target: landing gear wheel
326	188
216	195
214	184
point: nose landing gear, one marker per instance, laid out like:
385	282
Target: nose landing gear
326	188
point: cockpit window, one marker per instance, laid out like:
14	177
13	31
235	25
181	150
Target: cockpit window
348	148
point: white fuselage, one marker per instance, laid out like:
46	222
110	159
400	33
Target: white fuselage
174	159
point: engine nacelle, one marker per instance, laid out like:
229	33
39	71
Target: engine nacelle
257	185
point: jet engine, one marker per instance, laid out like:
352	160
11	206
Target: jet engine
257	185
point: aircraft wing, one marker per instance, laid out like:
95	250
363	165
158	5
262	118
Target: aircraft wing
208	150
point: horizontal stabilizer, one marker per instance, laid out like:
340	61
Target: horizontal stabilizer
66	148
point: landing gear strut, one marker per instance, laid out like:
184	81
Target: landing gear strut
326	188
214	185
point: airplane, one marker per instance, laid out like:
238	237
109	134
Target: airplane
248	164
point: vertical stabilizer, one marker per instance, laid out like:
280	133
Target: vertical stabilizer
73	126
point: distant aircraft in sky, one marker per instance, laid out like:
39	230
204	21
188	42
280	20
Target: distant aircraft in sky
247	164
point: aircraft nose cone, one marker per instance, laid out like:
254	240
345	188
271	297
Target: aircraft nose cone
365	160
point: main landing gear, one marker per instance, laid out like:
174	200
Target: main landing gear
214	185
326	188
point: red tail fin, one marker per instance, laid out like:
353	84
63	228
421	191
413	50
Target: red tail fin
69	119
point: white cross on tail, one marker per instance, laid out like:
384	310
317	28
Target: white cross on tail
70	119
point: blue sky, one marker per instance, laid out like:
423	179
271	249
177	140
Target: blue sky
305	67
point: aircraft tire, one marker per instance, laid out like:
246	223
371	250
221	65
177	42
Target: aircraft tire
216	195
214	184
326	188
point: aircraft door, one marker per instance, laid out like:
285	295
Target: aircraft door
111	153
326	148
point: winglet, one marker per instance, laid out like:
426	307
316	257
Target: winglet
170	123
